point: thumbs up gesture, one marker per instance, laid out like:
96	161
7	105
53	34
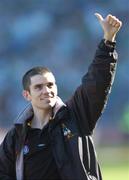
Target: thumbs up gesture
110	25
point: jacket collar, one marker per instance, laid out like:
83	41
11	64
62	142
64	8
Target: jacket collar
28	113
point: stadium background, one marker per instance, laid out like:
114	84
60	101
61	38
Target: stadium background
63	35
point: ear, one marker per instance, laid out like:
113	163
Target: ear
26	95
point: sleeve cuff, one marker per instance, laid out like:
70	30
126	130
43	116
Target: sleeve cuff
107	45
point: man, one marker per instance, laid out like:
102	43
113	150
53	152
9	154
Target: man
52	140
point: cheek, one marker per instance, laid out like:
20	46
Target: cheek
55	91
34	95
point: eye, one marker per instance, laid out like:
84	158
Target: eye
50	85
38	86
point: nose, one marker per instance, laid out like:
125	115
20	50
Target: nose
46	90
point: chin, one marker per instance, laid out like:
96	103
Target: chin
49	105
52	104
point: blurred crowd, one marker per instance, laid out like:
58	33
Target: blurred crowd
63	36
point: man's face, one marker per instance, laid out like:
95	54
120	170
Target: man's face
43	91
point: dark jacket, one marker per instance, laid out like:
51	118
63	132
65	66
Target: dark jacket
71	128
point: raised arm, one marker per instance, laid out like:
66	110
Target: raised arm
91	97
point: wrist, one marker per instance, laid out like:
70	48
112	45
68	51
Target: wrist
107	45
109	38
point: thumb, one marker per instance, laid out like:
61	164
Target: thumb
99	17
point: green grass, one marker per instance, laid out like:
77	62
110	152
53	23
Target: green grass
114	162
115	172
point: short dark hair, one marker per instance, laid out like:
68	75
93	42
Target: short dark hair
26	80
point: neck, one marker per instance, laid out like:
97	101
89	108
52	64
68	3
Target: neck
41	118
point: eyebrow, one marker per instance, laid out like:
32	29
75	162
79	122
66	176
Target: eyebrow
40	84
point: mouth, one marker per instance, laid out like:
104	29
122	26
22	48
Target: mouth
44	98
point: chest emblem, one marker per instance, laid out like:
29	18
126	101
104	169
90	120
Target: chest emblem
25	149
67	132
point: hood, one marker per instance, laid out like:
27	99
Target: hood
28	113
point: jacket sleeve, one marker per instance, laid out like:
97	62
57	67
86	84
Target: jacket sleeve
91	96
7	157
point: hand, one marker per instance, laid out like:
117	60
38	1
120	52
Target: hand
111	25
